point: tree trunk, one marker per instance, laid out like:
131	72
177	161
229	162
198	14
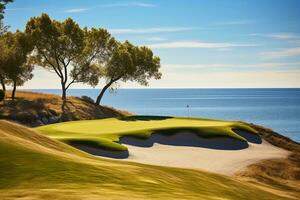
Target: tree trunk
64	94
3	85
13	94
102	92
64	91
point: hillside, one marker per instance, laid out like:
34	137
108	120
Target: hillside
34	109
33	166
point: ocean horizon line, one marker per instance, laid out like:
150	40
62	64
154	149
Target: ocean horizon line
161	88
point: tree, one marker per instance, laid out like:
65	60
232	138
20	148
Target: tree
63	47
2	7
3	29
129	63
3	3
3	80
98	47
16	48
3	77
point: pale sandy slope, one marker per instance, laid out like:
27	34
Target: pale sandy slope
221	161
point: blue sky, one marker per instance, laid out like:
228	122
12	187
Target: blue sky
202	44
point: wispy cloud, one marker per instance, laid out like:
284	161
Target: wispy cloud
279	36
156	39
76	10
129	4
151	30
197	44
112	5
281	53
238	22
285	36
276	65
224	65
270	66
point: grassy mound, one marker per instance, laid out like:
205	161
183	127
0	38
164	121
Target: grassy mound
33	166
34	109
106	133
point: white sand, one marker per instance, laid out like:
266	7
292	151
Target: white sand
225	162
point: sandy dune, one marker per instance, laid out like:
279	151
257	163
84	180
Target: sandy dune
220	160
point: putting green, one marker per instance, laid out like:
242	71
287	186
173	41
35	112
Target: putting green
105	133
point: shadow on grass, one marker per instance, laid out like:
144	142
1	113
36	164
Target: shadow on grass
94	148
101	152
144	118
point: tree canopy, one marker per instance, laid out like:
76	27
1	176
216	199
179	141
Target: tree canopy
15	48
130	63
71	52
82	55
3	29
3	77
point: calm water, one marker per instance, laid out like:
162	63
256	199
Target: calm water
278	109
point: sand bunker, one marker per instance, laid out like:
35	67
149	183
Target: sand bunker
186	150
222	155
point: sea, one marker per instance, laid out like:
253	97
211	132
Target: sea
278	109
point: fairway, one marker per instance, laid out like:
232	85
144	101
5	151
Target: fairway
106	133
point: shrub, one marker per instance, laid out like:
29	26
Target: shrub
87	99
2	94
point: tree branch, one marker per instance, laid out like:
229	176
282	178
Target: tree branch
56	71
73	81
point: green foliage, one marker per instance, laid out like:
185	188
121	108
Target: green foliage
2	7
2	63
98	48
14	66
68	50
13	60
3	28
92	53
2	95
129	63
132	63
57	43
87	99
57	46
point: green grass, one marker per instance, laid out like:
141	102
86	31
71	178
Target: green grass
105	133
33	166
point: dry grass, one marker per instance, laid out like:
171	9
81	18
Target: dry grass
278	172
29	107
